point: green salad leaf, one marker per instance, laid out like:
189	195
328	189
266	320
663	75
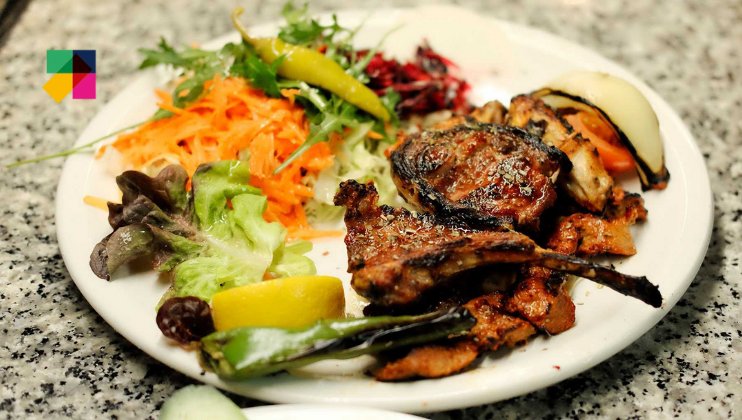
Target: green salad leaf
300	28
261	74
211	239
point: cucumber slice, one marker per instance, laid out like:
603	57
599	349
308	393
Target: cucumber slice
200	403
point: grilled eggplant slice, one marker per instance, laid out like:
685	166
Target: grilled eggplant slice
395	255
484	175
588	183
621	106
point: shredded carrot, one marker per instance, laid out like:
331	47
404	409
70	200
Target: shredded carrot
231	120
290	94
102	151
374	135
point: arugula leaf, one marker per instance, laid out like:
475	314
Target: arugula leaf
331	115
389	100
198	65
262	75
210	239
166	55
188	59
301	29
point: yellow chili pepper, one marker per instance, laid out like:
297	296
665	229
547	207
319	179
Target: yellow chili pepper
313	67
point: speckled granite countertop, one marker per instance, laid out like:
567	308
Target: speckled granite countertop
58	358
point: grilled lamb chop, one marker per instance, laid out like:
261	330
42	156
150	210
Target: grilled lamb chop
395	255
588	182
484	175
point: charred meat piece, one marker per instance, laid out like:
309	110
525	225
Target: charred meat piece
395	256
588	234
492	112
588	182
503	318
542	299
494	328
484	175
431	361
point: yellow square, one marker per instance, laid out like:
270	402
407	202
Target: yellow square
59	86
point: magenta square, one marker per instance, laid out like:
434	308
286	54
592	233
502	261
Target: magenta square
85	89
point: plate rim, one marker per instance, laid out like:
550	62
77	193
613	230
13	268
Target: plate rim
290	408
475	395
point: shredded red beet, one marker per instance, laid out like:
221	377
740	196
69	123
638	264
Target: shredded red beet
426	85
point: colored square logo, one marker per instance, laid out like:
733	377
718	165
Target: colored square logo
85	88
74	71
59	61
87	57
59	86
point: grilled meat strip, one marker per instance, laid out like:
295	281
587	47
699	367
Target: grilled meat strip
588	182
588	234
395	255
432	361
485	175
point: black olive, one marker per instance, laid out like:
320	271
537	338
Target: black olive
185	319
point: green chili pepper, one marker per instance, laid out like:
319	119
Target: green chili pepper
255	351
313	67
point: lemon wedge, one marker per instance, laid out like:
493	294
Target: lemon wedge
285	302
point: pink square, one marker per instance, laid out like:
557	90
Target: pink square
85	89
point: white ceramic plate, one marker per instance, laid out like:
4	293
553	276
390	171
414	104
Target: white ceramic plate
322	412
500	59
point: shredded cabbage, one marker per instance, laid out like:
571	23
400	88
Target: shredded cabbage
359	158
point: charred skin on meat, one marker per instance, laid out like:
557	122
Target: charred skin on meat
484	175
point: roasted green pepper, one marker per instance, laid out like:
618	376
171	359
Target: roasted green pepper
255	351
313	67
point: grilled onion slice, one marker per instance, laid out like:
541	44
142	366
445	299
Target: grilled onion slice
623	108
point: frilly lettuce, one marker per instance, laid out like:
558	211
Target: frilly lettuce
210	239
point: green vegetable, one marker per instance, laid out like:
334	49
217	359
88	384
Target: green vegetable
313	67
73	150
210	240
195	402
300	28
255	351
262	75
